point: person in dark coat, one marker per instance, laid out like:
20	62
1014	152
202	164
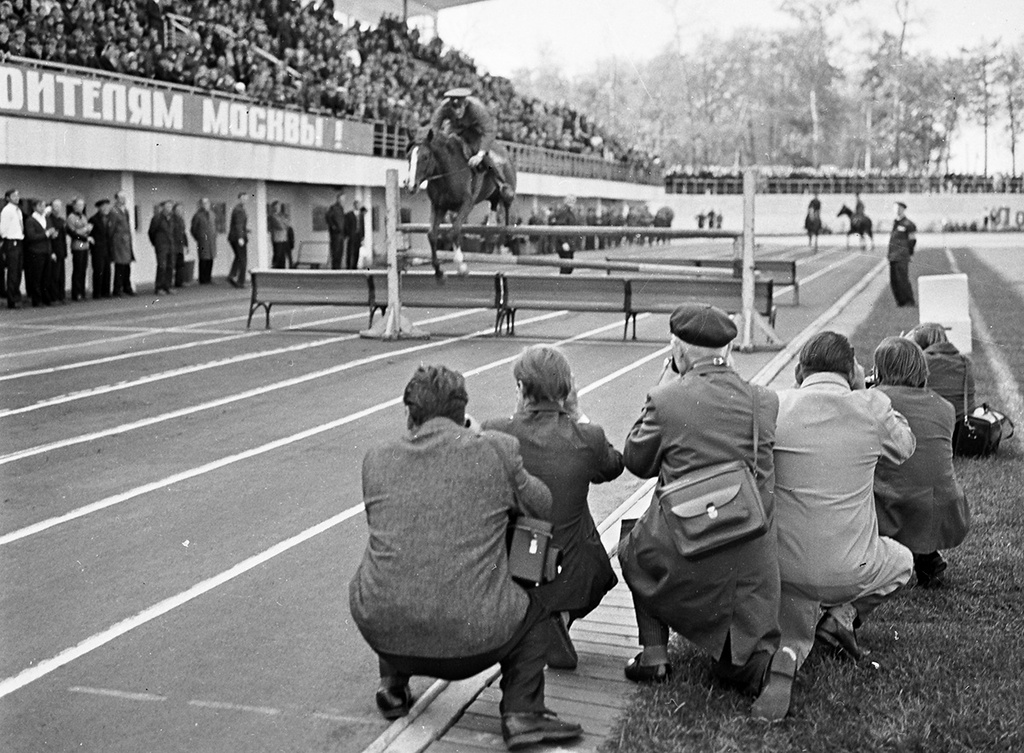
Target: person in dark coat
433	595
566	245
180	244
59	243
335	219
205	234
121	244
80	231
161	235
568	453
919	503
238	237
100	250
950	373
354	230
702	413
902	241
38	254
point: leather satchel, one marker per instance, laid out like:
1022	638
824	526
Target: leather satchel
716	506
980	432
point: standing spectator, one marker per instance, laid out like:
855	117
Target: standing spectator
336	230
205	234
830	436
702	413
180	243
38	254
101	259
80	231
566	245
902	241
12	233
278	226
438	503
59	242
121	245
568	453
354	229
919	503
161	235
238	237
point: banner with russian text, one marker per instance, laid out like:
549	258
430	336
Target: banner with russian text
39	93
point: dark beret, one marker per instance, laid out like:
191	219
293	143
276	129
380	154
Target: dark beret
101	202
703	325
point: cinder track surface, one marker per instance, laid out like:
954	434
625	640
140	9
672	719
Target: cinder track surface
158	461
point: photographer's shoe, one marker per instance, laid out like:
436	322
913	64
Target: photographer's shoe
394	702
522	729
836	630
644	673
773	703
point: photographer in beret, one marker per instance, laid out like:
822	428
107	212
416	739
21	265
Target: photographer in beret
700	414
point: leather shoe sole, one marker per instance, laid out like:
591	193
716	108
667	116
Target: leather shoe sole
394	702
773	703
522	729
637	672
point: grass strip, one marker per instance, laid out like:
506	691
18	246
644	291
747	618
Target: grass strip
951	675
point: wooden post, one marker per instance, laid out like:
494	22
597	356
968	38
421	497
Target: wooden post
749	187
393	326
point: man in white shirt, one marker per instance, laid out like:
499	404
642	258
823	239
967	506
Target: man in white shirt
12	238
829	436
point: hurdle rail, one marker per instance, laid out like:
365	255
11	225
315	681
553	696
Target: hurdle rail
394	326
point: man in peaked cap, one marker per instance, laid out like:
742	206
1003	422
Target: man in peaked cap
476	126
902	241
701	413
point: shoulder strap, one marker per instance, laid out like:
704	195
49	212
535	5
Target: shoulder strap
756	402
963	362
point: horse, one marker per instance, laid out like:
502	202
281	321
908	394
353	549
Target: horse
859	224
812	224
441	160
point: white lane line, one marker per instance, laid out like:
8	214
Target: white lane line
234	398
171	348
193	369
46	666
116	499
1006	383
89	313
122	694
25	677
223	706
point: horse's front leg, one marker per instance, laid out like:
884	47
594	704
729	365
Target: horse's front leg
435	221
457	223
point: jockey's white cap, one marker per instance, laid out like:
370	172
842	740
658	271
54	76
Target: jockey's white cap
458	93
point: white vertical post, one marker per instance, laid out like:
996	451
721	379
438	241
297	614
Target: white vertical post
749	186
394	317
261	229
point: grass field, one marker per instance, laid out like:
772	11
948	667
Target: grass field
951	675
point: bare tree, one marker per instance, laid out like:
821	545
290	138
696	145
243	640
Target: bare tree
1011	76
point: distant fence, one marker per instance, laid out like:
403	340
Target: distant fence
842	184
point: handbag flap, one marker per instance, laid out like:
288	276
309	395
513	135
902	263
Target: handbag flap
711	499
695	493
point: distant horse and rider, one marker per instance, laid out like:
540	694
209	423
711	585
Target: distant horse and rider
461	169
860	224
812	222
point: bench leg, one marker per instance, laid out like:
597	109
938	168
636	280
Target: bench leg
796	293
267	307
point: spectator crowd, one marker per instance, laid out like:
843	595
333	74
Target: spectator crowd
284	53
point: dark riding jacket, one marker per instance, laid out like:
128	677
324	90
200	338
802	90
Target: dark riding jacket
477	127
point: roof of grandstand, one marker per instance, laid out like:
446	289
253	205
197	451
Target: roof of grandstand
371	10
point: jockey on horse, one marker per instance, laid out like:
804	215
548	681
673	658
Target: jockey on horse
473	123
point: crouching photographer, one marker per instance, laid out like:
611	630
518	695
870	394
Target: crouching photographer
433	595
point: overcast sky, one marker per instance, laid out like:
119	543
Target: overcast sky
504	35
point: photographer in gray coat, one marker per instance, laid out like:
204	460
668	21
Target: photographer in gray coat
433	595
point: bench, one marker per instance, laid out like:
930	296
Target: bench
781	271
557	292
313	287
422	290
313	254
661	295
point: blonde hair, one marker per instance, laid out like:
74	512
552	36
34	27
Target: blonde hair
544	373
901	363
926	334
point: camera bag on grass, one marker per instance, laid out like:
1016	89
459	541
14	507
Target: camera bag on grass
714	507
980	432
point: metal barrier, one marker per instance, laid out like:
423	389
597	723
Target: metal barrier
844	184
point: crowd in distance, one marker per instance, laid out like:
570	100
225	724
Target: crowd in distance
312	61
835	544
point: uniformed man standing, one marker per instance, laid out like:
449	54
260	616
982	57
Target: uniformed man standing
902	241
